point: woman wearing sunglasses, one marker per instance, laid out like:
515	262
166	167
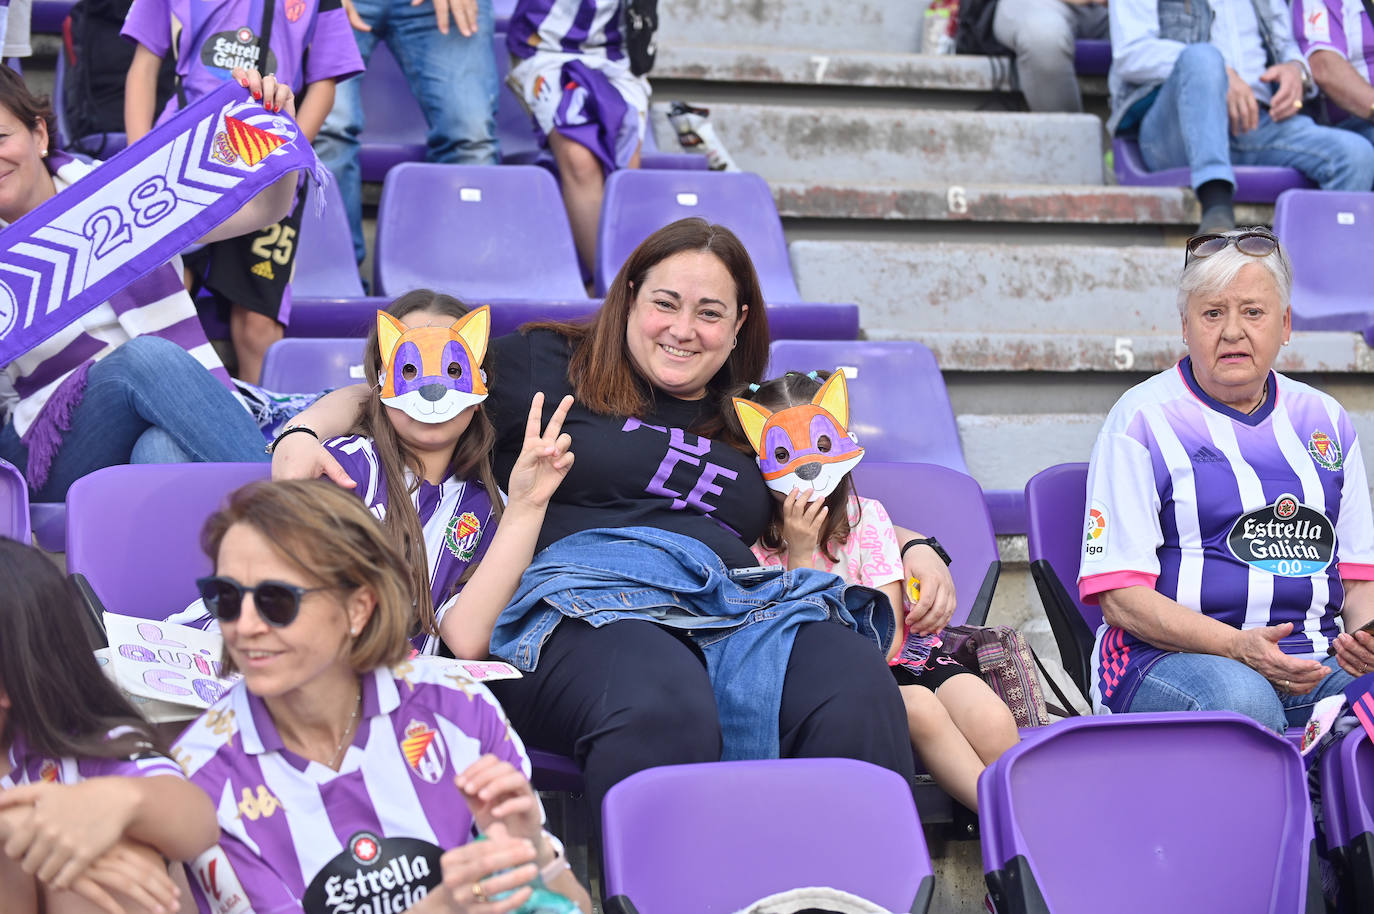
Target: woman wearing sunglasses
1229	534
346	777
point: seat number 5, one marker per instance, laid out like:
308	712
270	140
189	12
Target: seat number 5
277	242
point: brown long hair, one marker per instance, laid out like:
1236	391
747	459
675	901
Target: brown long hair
792	389
26	107
60	700
604	376
471	457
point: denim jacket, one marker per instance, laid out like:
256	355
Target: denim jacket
743	620
1189	22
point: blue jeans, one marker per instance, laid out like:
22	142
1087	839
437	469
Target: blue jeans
1188	126
146	401
1358	125
742	620
1205	682
453	78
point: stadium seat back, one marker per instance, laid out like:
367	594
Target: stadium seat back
1254	183
639	202
1324	233
1353	804
297	365
949	506
1056	499
14	504
1135	813
134	531
899	408
686	839
324	256
515	129
475	231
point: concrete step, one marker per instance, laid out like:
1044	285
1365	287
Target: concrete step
945	202
806	143
878	25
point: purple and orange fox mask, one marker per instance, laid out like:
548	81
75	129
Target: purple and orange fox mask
803	447
433	373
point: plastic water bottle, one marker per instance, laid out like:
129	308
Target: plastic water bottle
916	649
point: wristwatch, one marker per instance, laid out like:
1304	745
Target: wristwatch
930	541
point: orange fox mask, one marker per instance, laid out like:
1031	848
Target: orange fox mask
803	447
433	373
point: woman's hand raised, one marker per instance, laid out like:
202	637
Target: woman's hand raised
545	458
275	96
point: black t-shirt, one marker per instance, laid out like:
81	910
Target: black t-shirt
646	472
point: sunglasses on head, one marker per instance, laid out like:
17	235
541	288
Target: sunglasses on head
276	602
1258	243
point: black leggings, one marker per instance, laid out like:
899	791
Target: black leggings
630	695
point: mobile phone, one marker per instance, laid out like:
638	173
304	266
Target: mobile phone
1367	627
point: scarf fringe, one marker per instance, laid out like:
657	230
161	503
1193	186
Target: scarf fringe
44	437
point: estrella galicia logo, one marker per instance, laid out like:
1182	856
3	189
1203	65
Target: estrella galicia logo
9	310
374	875
1287	538
239	48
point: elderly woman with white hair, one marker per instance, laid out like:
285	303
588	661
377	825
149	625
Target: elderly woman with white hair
1229	537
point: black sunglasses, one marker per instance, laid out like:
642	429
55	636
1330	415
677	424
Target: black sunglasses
1256	244
276	602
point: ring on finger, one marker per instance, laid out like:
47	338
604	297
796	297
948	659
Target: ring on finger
477	894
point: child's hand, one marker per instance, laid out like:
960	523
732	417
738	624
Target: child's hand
274	96
497	791
64	827
801	523
545	459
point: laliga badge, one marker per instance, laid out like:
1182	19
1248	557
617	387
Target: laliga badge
433	373
803	447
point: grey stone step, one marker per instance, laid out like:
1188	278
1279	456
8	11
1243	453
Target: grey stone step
1030	203
879	25
807	143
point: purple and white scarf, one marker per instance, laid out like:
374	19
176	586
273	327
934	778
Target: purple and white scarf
136	211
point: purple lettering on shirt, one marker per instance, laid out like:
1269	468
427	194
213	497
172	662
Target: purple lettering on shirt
706	485
678	438
633	424
658	485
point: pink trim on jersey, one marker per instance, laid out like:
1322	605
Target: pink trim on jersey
1356	571
1094	584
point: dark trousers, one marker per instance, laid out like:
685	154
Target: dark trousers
630	695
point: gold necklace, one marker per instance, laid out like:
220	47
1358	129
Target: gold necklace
348	731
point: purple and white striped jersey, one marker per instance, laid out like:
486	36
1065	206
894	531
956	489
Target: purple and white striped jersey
1252	519
1341	26
30	767
297	836
594	28
456	517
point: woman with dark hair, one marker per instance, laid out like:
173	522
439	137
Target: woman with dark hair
348	777
85	784
134	379
682	323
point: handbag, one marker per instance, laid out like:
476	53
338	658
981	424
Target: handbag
641	21
1001	656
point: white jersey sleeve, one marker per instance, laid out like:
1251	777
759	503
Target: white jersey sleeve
1121	519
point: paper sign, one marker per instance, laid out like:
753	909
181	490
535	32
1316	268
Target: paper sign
153	711
166	662
476	670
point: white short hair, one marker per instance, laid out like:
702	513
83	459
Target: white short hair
1209	275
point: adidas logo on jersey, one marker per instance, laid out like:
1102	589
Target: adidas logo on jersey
263	268
1204	454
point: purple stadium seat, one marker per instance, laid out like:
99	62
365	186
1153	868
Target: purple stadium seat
1092	57
949	506
1254	183
1055	500
899	407
394	128
302	365
1324	232
1335	828
551	771
49	520
355	316
475	231
100	146
133	532
1354	795
514	127
638	202
501	10
324	255
687	839
1150	812
14	504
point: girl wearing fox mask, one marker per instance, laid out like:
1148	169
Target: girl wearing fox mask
420	455
798	425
